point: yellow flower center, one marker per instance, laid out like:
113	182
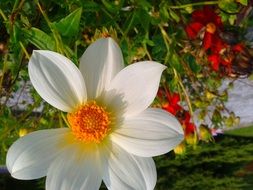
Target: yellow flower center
210	27
90	122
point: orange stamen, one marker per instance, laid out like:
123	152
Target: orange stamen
210	27
90	122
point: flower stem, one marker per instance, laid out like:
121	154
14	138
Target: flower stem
146	49
65	120
3	72
3	15
187	98
165	36
57	38
193	4
24	50
167	42
116	24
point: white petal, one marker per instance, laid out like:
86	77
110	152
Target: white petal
101	61
57	80
151	133
138	84
126	171
75	169
30	156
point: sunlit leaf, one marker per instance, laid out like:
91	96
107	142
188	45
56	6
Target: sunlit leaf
243	2
174	15
39	38
164	13
69	26
229	6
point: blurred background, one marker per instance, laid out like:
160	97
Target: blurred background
206	46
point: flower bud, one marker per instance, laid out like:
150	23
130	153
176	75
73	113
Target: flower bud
205	133
22	132
180	149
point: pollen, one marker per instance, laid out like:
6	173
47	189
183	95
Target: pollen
90	122
210	27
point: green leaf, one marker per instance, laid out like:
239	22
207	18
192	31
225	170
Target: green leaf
224	96
216	117
144	4
148	42
232	120
90	6
111	7
164	13
174	16
14	31
190	60
39	38
224	16
232	19
175	63
69	26
228	5
143	18
243	2
173	84
130	22
213	83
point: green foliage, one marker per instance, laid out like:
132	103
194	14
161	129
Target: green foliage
243	2
190	60
220	166
244	132
69	26
35	36
229	6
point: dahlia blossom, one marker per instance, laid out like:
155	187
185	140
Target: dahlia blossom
206	19
111	136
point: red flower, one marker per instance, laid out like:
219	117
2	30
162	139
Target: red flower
160	93
183	116
172	105
189	128
205	19
215	60
174	98
238	48
217	44
225	57
187	117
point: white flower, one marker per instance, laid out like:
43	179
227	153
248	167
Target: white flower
112	133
